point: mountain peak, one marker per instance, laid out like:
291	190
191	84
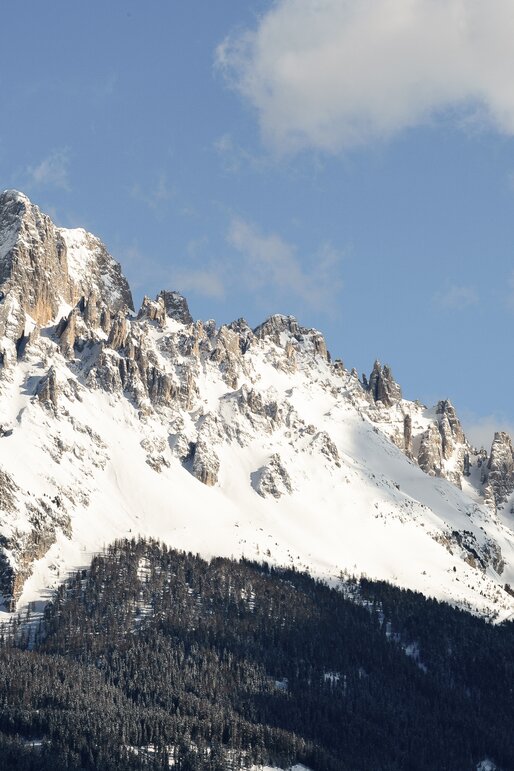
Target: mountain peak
43	267
9	195
220	439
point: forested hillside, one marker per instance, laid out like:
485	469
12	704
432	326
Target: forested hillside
154	656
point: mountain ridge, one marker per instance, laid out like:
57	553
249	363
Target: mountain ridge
114	423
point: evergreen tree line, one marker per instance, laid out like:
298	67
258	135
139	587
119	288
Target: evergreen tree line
154	656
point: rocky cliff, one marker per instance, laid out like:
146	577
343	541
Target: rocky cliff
223	439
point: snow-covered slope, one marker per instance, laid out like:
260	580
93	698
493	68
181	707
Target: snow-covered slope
225	441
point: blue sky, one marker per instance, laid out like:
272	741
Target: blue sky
351	163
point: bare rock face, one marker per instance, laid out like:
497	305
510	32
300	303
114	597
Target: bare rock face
478	555
206	463
93	272
275	326
272	479
262	414
8	490
430	455
446	408
43	265
499	473
449	427
33	264
176	307
383	386
323	444
227	353
48	390
285	329
407	436
153	311
67	332
244	333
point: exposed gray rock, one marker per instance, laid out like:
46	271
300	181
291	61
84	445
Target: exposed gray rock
479	556
430	455
93	271
118	332
499	473
33	263
383	386
227	353
275	326
339	367
445	408
8	490
272	478
244	332
48	390
407	435
259	411
323	444
152	310
449	428
206	463
38	263
176	307
283	329
67	332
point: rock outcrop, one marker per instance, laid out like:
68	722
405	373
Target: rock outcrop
383	386
407	435
430	455
272	478
48	390
176	307
282	330
498	475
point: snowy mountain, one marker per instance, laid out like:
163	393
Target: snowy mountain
222	440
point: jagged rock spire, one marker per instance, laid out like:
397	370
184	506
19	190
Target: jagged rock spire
383	386
499	473
176	306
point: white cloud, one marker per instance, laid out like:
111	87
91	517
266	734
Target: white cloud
52	171
456	298
205	282
331	74
233	156
480	430
154	196
263	266
271	264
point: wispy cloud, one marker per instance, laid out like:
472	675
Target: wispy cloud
52	171
206	282
234	156
271	264
480	430
331	74
156	195
266	267
456	298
